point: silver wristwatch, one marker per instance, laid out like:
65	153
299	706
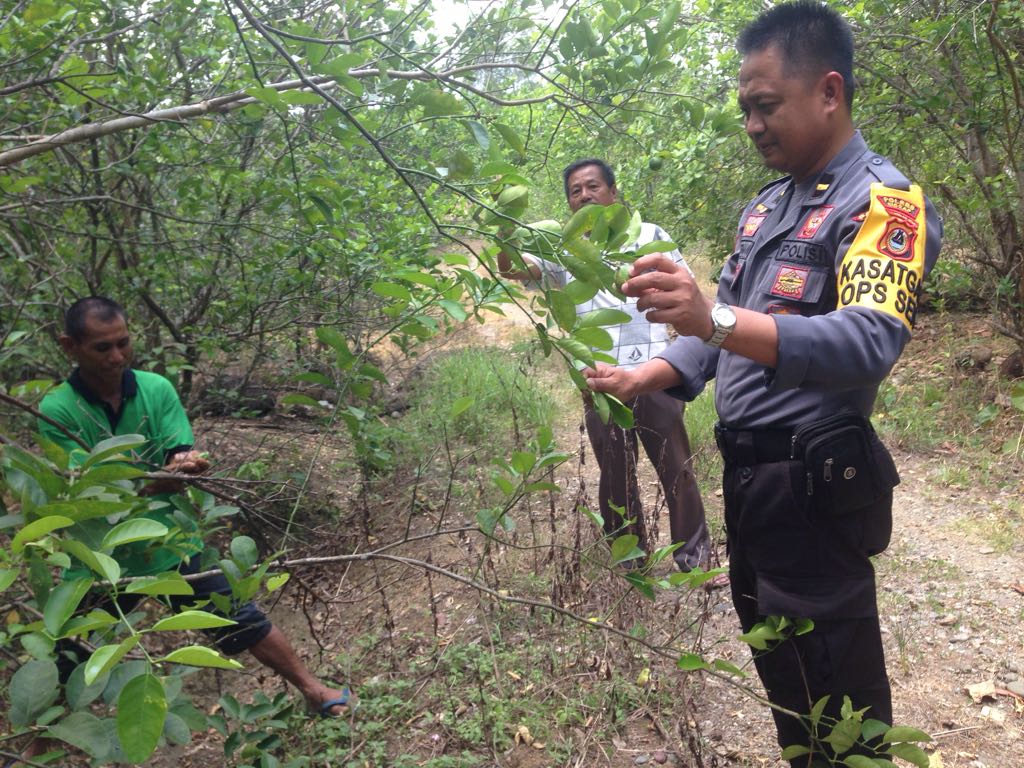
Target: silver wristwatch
723	321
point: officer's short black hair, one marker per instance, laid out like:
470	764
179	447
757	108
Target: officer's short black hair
571	168
812	37
103	308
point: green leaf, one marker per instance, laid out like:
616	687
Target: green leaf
105	473
391	291
478	132
301	97
277	581
111	447
84	509
601	405
871	729
79	695
454	309
80	625
133	530
437	103
461	166
523	461
577	350
199	656
1017	396
911	753
511	137
105	657
84	731
38	645
63	602
323	207
580	291
817	709
176	730
621	414
722	665
625	548
605	316
859	761
37	530
244	552
656	246
7	577
496	168
191	620
170	583
581	221
32	690
595	338
268	96
795	750
104	565
141	709
843	735
905	733
461	405
563	309
689	662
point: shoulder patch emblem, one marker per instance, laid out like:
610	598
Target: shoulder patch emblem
790	282
814	222
753	223
897	241
884	266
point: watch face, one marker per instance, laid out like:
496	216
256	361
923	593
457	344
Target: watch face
723	316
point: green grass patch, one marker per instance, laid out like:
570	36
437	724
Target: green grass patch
489	400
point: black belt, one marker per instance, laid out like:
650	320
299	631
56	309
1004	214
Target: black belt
745	447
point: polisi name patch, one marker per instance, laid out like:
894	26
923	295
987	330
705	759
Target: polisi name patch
801	250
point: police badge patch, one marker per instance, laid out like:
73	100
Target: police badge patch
753	223
790	282
814	222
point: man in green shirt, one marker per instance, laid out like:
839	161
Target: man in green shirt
105	397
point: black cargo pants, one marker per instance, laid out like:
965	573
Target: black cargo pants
787	558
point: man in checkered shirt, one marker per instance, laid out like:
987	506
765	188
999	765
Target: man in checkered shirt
658	417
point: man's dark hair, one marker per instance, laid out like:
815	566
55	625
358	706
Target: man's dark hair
105	310
571	168
812	37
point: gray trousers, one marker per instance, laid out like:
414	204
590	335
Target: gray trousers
659	425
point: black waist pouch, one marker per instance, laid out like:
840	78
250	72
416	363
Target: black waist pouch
846	466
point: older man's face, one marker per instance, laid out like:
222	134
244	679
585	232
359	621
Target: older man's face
587	185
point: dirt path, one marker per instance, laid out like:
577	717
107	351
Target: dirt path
950	612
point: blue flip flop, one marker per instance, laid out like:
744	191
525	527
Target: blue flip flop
347	699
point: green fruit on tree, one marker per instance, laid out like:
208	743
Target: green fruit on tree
655	163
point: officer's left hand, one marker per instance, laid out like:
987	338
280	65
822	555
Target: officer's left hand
669	294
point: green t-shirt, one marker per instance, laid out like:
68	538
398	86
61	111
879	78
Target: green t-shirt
149	407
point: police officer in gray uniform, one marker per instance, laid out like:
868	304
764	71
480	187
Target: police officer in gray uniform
814	308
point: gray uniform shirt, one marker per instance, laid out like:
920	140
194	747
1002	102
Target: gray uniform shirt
838	261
